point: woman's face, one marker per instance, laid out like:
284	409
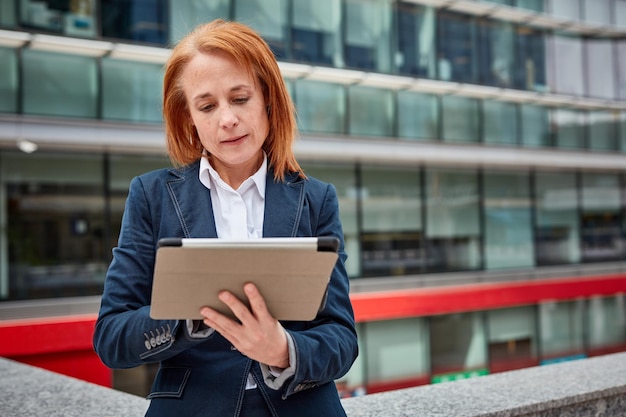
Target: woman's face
229	112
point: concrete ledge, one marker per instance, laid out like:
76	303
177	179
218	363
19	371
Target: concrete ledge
588	387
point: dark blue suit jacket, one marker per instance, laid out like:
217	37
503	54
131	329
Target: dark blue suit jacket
207	376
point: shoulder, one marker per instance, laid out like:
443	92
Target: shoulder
168	174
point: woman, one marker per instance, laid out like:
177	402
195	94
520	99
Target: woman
230	128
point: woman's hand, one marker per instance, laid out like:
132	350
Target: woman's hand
257	335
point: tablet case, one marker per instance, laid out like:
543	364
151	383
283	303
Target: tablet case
292	274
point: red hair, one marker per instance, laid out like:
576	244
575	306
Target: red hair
242	44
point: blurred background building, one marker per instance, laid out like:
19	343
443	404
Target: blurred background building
478	149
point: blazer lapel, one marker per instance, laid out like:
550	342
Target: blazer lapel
283	205
192	202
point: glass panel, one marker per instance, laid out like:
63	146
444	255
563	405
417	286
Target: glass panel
8	81
131	90
561	329
136	20
557	236
416	40
567	61
569	128
602	130
456	50
343	178
513	338
371	111
622	131
316	32
418	115
269	18
620	47
460	119
59	85
597	12
567	9
600	66
499	122
607	322
73	18
530	67
396	349
536	5
352	384
619	17
457	343
8	13
368	34
508	224
601	218
496	53
321	107
535	126
452	220
392	240
186	15
55	205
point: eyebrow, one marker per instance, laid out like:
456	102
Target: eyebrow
236	88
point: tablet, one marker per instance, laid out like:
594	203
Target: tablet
292	274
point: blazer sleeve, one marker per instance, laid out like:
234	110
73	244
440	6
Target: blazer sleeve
327	347
125	336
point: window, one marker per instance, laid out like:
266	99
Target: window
457	343
606	320
499	123
460	119
186	15
321	107
557	233
567	66
622	131
602	130
536	5
456	49
368	34
597	12
68	81
496	58
565	9
131	91
530	65
135	20
72	18
418	115
415	40
8	13
620	48
513	338
452	220
569	128
601	218
8	81
371	111
316	32
535	128
392	239
508	225
619	17
561	330
600	66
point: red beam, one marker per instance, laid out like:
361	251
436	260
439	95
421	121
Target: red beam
386	305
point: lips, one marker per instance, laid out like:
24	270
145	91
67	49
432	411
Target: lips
234	139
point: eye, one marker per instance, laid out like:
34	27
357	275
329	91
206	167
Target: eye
241	100
207	108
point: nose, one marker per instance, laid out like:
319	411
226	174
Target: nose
228	118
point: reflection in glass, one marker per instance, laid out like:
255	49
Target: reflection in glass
607	324
8	81
316	32
530	66
269	18
602	129
567	65
8	13
131	90
619	17
496	58
452	220
536	5
72	18
499	122
561	329
368	34
601	218
535	128
392	239
507	208
600	66
513	338
569	128
142	21
186	15
557	233
597	12
59	85
371	111
620	58
566	9
321	107
460	118
418	115
456	50
416	40
457	343
622	131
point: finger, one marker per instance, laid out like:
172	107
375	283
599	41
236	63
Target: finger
222	324
239	309
257	302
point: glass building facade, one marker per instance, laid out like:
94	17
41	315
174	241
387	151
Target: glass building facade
484	141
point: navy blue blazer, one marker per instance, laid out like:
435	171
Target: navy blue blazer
207	376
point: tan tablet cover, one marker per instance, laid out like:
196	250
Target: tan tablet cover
292	281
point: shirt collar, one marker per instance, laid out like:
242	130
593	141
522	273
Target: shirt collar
207	172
